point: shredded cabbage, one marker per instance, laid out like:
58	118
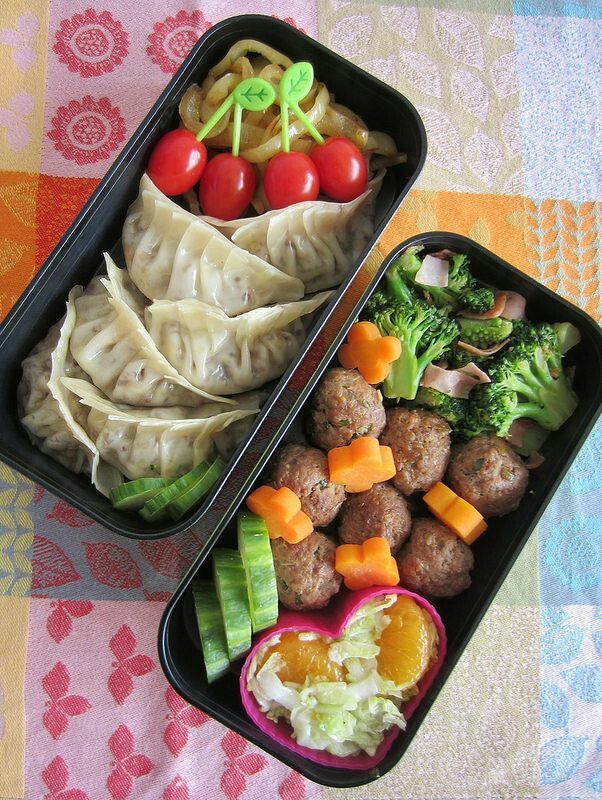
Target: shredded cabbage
339	717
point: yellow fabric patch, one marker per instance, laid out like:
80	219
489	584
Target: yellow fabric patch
23	70
14	615
16	533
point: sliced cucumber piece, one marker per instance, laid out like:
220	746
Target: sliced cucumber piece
211	629
156	508
131	496
195	491
254	546
231	587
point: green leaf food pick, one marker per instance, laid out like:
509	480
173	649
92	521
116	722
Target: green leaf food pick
252	94
294	86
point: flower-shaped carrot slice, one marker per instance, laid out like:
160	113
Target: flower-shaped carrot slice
281	512
369	352
460	516
366	564
361	464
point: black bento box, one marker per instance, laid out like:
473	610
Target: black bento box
78	256
495	552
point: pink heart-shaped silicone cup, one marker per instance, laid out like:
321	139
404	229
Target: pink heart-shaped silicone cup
330	622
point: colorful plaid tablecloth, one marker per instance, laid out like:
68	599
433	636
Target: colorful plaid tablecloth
510	95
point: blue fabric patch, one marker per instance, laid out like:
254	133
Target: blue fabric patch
561	758
558	8
586	682
554	706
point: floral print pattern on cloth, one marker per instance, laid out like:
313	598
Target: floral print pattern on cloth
21	40
91	43
87	130
172	39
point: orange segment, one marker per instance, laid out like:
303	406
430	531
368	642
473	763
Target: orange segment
302	658
406	644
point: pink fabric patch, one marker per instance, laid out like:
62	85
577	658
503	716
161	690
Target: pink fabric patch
108	65
90	739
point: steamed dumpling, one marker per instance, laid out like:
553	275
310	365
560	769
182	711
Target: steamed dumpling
227	355
110	343
53	416
316	241
122	286
173	255
165	442
55	430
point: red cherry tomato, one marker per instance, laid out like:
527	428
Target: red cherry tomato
342	169
227	187
290	178
177	162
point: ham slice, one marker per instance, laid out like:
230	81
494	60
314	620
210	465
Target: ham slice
534	460
453	382
477	351
475	372
515	306
517	432
496	311
433	272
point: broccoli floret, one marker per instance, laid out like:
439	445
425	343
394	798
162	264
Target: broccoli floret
462	290
425	334
528	380
378	302
398	287
452	409
457	357
484	333
408	263
477	299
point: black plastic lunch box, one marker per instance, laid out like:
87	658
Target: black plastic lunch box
494	552
78	256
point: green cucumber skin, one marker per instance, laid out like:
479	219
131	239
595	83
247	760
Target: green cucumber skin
211	630
131	496
231	587
187	499
254	546
156	507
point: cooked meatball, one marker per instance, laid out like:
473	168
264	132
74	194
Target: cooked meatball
305	573
304	470
342	408
381	511
488	473
420	443
434	561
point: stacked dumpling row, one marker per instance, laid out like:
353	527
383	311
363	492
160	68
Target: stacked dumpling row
156	367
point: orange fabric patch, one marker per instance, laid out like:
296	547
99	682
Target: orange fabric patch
563	249
17	236
59	200
495	221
